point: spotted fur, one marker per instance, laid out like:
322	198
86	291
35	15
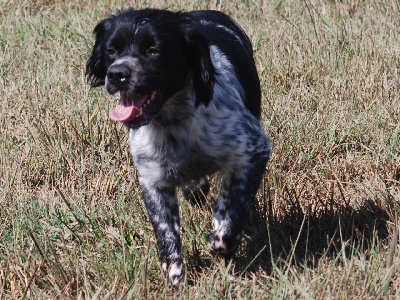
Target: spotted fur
206	121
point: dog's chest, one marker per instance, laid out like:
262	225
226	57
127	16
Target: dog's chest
166	157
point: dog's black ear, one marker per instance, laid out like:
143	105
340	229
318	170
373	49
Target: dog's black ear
96	69
198	52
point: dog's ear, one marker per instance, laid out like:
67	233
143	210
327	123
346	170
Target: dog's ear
96	69
198	52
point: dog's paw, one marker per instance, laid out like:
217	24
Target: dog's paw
223	245
175	271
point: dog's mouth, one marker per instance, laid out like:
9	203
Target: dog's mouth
136	108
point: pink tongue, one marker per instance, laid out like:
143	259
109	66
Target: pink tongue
123	113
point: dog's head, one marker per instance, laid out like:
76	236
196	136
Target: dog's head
147	55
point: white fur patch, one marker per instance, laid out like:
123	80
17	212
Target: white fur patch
175	273
164	267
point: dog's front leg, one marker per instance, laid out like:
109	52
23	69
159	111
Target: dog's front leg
231	208
162	206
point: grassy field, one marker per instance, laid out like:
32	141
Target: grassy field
72	223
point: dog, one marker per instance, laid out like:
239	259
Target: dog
190	97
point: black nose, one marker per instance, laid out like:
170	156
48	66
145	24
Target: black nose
118	74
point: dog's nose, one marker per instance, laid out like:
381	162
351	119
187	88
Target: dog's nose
118	74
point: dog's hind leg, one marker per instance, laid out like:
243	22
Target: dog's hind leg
196	191
162	207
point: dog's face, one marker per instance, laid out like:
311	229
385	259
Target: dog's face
147	56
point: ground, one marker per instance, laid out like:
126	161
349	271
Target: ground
72	222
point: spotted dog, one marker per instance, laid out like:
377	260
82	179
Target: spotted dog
190	97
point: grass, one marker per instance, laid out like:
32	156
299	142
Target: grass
72	223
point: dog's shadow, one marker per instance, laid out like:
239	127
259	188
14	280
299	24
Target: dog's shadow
304	238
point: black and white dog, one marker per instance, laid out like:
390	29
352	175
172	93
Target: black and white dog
190	96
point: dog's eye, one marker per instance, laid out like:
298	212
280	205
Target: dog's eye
153	51
112	53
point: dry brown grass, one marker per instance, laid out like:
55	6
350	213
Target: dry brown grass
72	224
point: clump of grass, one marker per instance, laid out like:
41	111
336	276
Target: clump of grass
72	221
